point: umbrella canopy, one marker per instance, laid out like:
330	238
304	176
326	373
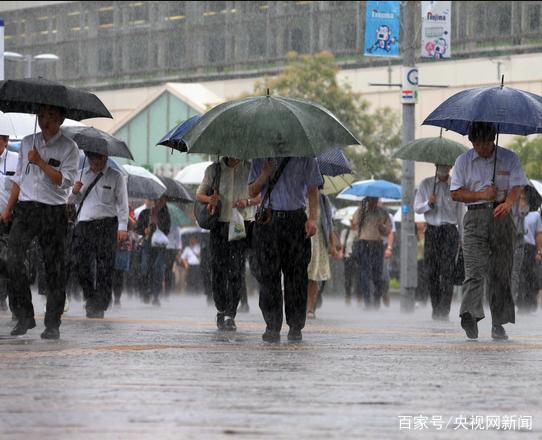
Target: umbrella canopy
142	184
334	184
533	193
175	190
334	163
19	125
27	95
345	214
173	137
177	215
513	111
97	141
192	174
267	126
437	150
110	163
371	188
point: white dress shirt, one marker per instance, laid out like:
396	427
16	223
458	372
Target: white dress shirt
8	164
474	173
108	198
533	226
62	154
445	211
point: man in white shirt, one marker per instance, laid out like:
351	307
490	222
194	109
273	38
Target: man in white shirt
46	170
102	220
490	189
443	216
8	166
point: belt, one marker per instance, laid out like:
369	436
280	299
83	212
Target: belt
288	214
488	205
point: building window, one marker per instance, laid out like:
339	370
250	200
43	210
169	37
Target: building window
534	17
257	41
175	52
138	13
504	19
73	21
105	17
138	53
296	40
105	60
216	48
175	11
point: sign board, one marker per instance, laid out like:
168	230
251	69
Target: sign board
382	29
409	88
436	29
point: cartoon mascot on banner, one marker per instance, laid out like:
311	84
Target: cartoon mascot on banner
437	48
384	39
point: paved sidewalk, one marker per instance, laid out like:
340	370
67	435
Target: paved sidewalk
161	373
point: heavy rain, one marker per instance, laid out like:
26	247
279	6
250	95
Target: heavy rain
270	219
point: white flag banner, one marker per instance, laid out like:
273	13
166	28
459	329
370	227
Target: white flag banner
436	29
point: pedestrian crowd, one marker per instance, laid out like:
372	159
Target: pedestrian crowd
270	215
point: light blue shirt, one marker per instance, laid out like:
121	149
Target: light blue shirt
474	173
290	192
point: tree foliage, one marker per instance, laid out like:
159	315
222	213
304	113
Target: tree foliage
530	155
314	78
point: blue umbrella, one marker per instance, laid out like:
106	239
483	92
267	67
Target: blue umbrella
333	163
173	137
513	111
371	188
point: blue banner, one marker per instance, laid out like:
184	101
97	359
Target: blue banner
382	29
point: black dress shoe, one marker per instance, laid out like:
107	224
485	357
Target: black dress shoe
220	321
469	325
498	332
51	333
22	326
229	324
295	335
95	314
271	336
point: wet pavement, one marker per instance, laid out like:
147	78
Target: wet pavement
165	372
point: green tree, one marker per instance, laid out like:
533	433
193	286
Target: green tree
530	155
314	78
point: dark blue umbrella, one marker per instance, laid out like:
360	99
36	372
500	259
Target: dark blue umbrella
333	163
173	137
513	111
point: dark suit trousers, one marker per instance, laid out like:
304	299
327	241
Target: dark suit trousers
281	248
97	242
49	224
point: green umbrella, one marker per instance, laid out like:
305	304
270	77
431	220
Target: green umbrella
437	150
178	216
335	184
267	126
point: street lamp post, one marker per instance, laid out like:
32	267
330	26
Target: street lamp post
29	59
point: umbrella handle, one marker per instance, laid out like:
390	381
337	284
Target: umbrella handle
33	143
82	168
495	161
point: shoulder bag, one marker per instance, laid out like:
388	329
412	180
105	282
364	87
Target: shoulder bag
201	210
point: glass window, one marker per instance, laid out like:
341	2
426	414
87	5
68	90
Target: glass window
105	60
138	13
534	17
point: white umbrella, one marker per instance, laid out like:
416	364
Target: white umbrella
143	184
19	125
537	185
192	174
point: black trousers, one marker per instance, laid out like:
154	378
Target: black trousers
48	224
97	242
228	259
370	257
282	248
440	249
350	275
528	283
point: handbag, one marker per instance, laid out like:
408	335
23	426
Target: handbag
201	210
159	239
264	215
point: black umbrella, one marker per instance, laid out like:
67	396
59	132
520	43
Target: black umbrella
97	141
27	95
175	190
